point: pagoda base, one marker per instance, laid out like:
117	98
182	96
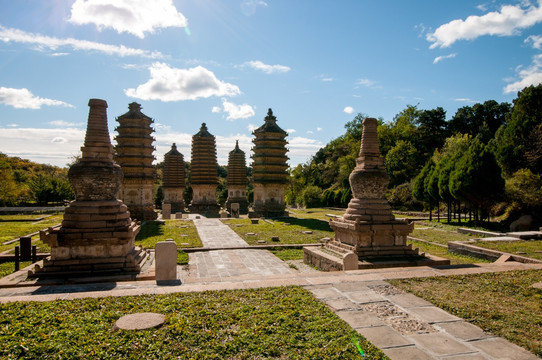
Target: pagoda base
243	205
364	245
207	210
142	212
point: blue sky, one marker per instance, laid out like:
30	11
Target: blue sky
316	63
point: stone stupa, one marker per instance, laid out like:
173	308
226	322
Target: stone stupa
97	234
368	235
204	174
134	155
269	169
173	182
237	180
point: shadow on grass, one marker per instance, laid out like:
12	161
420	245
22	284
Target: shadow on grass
150	229
313	224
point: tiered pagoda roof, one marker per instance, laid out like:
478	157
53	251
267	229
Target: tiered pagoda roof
134	144
204	166
269	158
237	169
173	172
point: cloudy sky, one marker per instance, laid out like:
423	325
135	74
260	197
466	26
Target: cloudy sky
316	63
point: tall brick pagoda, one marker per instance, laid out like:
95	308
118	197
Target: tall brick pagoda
173	182
269	169
134	154
368	235
237	180
204	174
97	234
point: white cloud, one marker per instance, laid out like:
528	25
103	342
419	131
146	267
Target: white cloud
268	69
235	111
310	132
24	99
173	84
318	129
506	22
252	127
467	100
249	7
290	131
440	58
301	149
52	43
348	110
64	124
136	17
50	146
531	75
535	40
365	82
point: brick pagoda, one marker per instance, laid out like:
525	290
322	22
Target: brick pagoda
173	182
134	155
204	174
97	234
269	169
237	180
368	235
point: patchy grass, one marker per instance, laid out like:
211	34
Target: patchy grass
289	230
182	257
503	303
440	251
315	213
439	235
528	248
286	254
281	323
12	230
9	267
21	217
184	234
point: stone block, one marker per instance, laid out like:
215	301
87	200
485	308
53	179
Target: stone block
166	261
350	261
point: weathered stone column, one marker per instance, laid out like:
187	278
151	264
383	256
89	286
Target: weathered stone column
97	234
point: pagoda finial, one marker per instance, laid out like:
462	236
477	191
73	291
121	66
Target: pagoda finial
270	117
203	126
236	144
134	106
174	146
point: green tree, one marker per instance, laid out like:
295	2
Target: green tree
516	140
311	196
402	162
525	187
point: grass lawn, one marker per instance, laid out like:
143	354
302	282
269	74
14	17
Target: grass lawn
282	323
289	230
12	230
21	217
503	303
443	252
286	254
531	248
184	234
315	213
9	267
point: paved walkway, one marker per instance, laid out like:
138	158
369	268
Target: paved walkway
402	325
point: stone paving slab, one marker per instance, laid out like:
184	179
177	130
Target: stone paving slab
441	344
406	352
464	330
498	348
384	337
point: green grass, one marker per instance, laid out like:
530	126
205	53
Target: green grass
182	258
440	251
13	230
439	235
286	254
9	267
502	303
281	323
315	213
21	217
184	234
531	248
289	231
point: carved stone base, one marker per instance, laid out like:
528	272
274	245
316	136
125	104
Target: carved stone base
243	205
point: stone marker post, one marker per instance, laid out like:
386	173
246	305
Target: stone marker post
166	211
165	261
